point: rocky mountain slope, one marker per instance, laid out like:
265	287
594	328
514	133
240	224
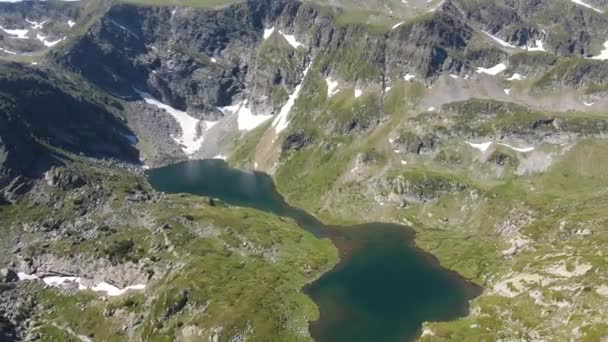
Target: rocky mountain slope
481	124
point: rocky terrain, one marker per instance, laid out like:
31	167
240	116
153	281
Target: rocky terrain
481	124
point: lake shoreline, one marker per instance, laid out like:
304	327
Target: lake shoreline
348	290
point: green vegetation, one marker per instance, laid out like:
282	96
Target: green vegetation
216	259
243	151
182	3
576	72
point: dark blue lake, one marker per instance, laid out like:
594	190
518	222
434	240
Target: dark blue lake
382	289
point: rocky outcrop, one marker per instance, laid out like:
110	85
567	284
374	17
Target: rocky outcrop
7	276
155	131
575	73
426	47
39	111
415	188
482	108
41	24
505	120
527	64
565	28
201	59
15	189
296	141
193	59
63	178
415	144
17	305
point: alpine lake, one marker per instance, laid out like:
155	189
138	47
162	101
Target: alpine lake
382	289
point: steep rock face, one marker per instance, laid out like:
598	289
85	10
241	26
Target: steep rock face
200	59
424	46
38	111
193	59
17	149
33	26
252	55
564	28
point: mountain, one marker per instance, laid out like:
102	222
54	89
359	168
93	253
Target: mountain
481	124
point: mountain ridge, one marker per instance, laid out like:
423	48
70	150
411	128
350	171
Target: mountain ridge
481	124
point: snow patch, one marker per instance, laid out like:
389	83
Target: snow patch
397	25
213	60
36	25
114	291
8	51
480	146
332	87
71	23
220	156
189	140
603	54
246	120
358	92
495	70
48	43
291	39
538	43
486	145
518	149
17	33
516	77
539	46
435	8
507	91
454	76
431	109
268	32
282	121
25	276
58	281
499	41
409	77
579	2
588	104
